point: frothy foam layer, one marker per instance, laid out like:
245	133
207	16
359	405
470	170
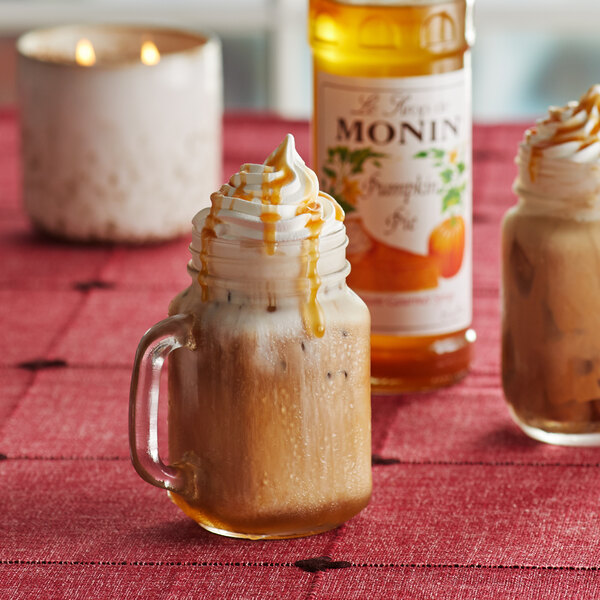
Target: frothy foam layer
559	159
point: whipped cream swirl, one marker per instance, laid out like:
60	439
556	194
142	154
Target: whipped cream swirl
264	216
559	161
569	132
277	201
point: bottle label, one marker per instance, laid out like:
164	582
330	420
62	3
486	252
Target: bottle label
396	154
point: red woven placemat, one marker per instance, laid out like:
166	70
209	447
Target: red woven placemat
464	505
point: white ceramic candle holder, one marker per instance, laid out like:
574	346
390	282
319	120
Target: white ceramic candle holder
114	149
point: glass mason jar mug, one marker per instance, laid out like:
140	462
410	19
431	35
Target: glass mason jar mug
551	301
269	392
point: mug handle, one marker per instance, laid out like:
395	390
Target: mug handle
154	347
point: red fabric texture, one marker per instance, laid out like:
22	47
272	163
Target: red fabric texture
464	505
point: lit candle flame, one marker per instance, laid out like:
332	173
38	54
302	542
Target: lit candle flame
149	54
84	53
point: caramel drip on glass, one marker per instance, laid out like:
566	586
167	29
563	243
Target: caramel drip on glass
534	160
269	220
312	313
275	175
208	231
207	234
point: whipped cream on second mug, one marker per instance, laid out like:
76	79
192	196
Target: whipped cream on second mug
278	202
559	159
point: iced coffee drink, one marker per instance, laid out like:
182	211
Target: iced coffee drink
269	395
551	282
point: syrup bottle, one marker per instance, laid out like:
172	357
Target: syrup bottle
392	143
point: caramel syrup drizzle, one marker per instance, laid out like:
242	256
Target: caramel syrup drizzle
565	133
207	234
312	313
208	231
271	188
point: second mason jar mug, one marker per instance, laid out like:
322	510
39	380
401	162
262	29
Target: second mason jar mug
550	284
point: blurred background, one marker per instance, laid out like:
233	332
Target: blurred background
528	53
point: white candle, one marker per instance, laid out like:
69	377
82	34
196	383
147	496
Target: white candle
121	130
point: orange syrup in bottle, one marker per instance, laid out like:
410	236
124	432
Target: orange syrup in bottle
392	143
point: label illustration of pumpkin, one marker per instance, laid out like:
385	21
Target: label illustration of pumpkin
447	243
447	239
